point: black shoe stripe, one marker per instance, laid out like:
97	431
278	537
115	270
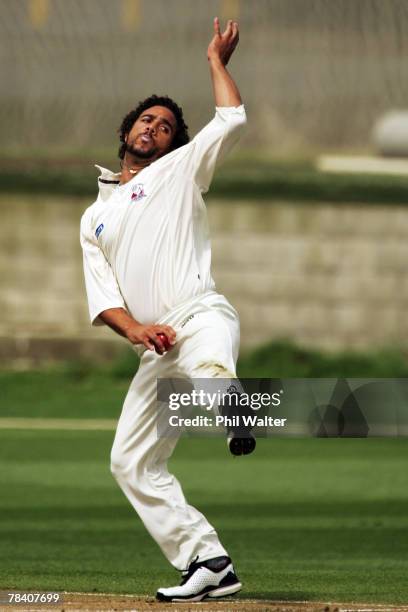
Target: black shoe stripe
228	580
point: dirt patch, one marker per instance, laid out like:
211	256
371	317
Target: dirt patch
90	601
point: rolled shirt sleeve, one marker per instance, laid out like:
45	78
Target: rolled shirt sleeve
101	286
214	141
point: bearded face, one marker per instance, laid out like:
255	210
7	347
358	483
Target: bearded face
152	133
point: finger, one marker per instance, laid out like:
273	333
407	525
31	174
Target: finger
153	342
149	345
217	26
160	348
235	30
170	337
228	29
170	333
234	42
167	331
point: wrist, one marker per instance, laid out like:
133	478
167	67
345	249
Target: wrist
215	61
129	327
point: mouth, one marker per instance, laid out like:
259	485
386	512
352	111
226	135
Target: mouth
146	139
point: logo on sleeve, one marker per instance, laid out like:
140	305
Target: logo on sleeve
137	192
99	229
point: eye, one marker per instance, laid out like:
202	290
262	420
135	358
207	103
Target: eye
165	129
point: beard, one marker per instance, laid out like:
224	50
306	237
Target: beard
140	153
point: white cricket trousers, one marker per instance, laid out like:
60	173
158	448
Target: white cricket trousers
207	346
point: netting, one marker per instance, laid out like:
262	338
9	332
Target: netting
314	74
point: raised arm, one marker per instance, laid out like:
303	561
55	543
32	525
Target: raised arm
219	51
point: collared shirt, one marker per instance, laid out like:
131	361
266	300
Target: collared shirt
146	245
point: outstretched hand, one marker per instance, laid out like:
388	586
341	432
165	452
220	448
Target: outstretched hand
223	44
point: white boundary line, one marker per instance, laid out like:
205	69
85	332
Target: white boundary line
72	424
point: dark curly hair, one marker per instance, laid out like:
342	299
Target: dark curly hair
181	136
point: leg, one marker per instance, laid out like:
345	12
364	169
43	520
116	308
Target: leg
209	345
139	464
209	350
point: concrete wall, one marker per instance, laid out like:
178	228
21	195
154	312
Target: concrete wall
325	275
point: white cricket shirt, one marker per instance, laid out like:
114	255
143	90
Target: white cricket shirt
146	244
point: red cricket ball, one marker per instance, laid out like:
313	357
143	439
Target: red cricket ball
164	340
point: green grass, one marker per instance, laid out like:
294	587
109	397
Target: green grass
250	176
284	359
256	178
83	390
55	394
303	519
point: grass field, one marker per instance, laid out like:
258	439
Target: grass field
303	519
84	390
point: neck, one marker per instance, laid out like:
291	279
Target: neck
131	167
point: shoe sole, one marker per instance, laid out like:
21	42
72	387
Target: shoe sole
220	592
241	446
227	590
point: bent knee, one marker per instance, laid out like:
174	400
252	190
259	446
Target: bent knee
120	463
213	369
128	464
116	463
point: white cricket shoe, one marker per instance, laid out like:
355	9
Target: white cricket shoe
211	578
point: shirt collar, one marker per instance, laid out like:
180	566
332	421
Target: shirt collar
107	177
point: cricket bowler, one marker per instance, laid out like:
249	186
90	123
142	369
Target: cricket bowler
147	261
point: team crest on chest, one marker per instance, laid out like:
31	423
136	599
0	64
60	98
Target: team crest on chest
138	192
